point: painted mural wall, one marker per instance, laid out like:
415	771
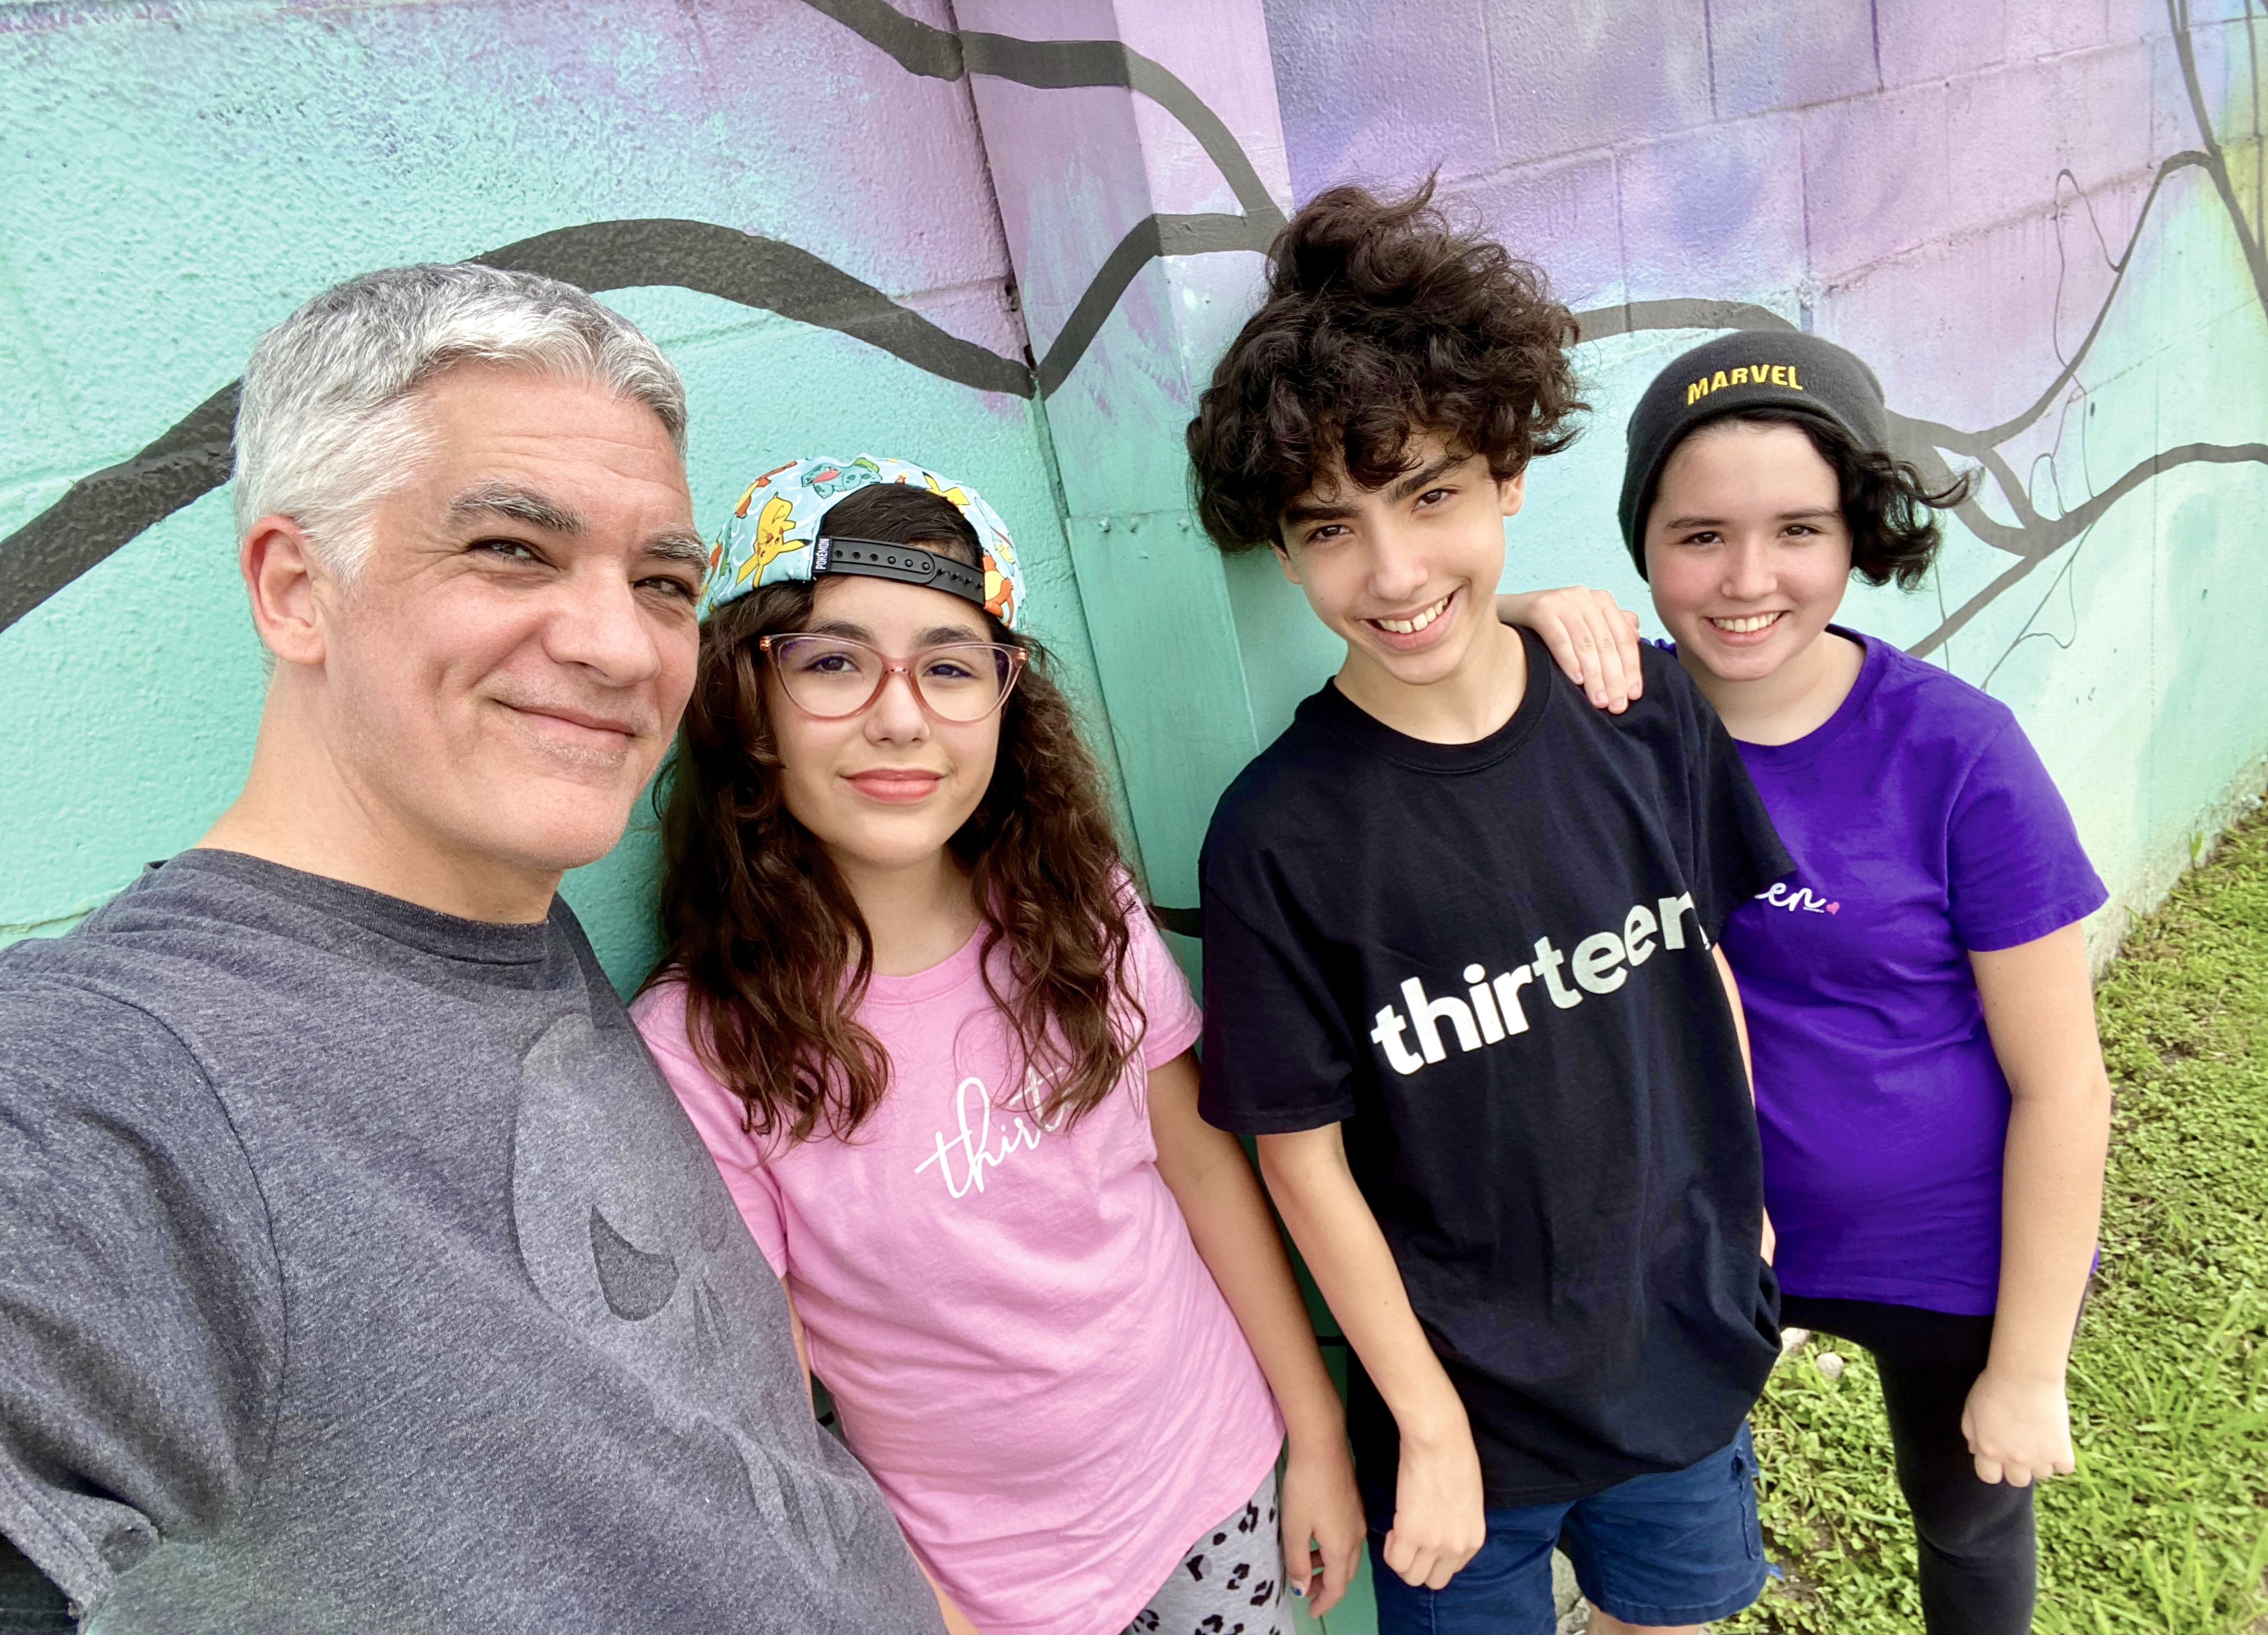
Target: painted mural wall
804	224
2041	220
1010	237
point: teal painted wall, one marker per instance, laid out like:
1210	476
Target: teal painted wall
180	178
2041	221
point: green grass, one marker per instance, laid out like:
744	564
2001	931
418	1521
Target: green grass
2165	1527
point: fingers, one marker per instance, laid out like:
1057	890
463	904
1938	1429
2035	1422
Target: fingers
1330	1578
1299	1562
2020	1469
1402	1557
1424	1566
1339	1568
1616	634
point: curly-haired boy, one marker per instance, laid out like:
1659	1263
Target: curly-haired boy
1460	979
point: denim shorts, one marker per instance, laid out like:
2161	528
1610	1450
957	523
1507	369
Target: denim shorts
1679	1547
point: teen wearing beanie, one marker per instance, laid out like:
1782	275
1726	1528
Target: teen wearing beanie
1932	1096
1460	980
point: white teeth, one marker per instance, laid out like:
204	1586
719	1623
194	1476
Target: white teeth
1743	627
1411	627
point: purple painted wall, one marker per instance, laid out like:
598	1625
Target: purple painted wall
2041	221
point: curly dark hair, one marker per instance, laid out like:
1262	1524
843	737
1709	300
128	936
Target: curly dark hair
758	924
1886	504
1383	322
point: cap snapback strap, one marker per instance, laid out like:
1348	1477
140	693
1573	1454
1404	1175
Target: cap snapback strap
908	564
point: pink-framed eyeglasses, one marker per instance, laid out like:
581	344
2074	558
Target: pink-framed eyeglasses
832	677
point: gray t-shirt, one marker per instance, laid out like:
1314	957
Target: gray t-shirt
358	1271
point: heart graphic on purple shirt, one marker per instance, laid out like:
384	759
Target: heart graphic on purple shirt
1834	907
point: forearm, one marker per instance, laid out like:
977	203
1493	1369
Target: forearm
1236	1237
1347	1254
2051	1205
1768	1240
2039	1010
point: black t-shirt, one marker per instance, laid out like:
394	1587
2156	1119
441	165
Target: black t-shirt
1491	961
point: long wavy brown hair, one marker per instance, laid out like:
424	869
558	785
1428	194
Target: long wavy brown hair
759	924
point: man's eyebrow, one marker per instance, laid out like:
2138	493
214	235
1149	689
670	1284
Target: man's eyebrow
1417	481
685	548
516	504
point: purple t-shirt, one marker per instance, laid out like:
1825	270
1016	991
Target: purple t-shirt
1923	827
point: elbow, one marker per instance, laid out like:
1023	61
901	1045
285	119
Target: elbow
1295	1170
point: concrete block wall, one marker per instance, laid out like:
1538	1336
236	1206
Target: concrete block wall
179	177
2040	221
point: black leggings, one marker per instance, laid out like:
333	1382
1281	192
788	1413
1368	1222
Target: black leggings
1979	1557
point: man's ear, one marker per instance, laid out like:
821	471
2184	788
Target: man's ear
1511	492
285	579
1284	560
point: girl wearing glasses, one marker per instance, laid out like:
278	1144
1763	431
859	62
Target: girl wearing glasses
915	1008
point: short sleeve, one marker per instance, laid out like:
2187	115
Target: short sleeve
715	1113
1170	1021
142	1325
2015	868
1730	850
1276	1056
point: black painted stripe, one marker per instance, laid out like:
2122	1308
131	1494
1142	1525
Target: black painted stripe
104	509
1150	239
1060	66
750	270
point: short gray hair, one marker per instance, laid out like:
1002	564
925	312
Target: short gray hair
326	427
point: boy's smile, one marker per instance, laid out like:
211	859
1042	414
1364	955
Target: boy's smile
1415	626
1406	575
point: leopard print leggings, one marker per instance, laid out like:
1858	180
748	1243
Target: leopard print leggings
1231	1581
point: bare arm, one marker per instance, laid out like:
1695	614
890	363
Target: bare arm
1229	1222
1591	636
2039	1009
1748	1066
1437	1520
956	1622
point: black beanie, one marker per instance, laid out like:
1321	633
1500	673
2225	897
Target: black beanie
1753	369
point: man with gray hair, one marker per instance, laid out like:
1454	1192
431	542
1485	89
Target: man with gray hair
358	1271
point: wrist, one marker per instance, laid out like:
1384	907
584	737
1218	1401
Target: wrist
1315	1428
1435	1427
2027	1375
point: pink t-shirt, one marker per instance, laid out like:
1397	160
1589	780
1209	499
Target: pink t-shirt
1022	1343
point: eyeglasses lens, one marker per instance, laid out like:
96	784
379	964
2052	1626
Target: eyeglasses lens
829	676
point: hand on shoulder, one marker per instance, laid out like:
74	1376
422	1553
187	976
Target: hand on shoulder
1589	635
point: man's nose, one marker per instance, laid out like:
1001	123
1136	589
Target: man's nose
599	624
